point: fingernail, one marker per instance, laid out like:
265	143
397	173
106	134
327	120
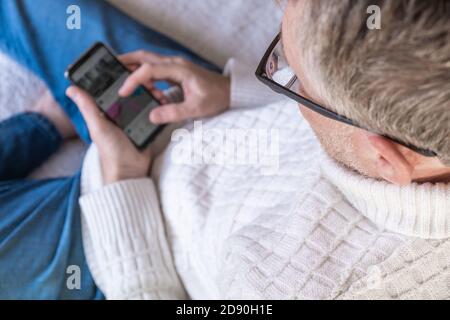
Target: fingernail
155	116
71	92
122	91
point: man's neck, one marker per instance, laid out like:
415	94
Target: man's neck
418	210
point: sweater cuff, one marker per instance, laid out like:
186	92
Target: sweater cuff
105	216
246	90
127	238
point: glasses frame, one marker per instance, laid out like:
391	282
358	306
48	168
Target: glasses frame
280	89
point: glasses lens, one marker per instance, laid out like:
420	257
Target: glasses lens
278	69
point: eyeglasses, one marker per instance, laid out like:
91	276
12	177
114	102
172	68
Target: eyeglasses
274	71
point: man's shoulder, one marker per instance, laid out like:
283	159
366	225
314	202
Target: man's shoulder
313	250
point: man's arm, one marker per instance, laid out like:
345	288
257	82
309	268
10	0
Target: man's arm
123	232
129	251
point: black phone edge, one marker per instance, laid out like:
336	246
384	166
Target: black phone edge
74	66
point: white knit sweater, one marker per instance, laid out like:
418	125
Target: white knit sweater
312	230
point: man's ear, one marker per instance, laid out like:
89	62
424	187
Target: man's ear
390	163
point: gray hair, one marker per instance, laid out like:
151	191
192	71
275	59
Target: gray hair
394	81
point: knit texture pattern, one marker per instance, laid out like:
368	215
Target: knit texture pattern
233	232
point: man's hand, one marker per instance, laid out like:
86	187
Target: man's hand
120	159
205	93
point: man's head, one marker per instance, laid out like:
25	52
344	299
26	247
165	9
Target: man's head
395	81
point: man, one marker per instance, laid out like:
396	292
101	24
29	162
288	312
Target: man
368	220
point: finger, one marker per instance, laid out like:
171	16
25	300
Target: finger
132	67
170	113
94	118
141	57
137	78
150	85
159	95
148	72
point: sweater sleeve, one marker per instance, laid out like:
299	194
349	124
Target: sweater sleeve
127	248
246	90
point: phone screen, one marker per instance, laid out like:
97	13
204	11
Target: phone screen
102	75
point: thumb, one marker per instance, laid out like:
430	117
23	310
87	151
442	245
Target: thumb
95	119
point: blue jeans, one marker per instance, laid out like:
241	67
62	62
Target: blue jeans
40	232
40	228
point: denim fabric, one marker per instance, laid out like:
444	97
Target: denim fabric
40	228
20	155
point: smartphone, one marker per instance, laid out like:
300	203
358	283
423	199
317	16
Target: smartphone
101	74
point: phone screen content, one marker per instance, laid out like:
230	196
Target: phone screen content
101	75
